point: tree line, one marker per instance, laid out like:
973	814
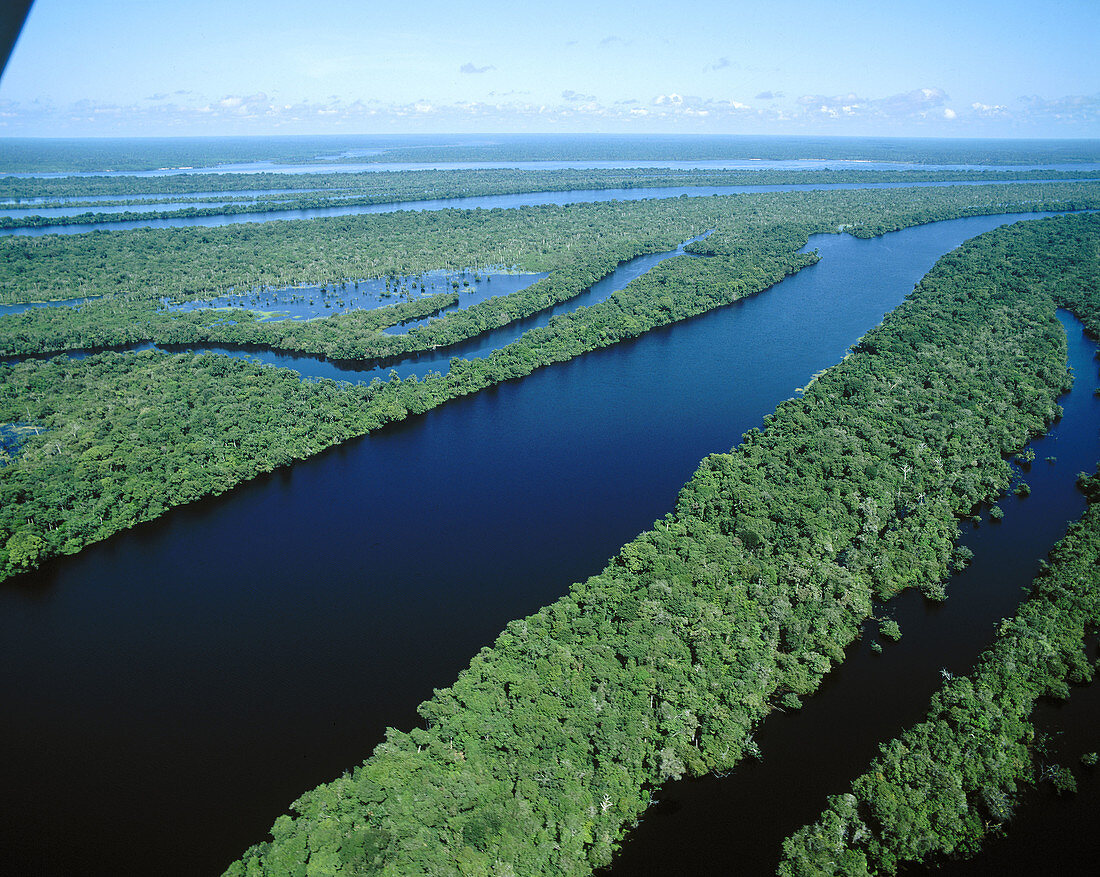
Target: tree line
295	191
550	744
578	245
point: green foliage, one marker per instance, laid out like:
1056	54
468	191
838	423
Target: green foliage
24	549
547	747
889	628
341	191
941	786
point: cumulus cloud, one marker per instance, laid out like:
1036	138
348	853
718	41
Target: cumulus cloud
926	109
469	67
1072	109
921	103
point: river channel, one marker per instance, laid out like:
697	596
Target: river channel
483	202
170	691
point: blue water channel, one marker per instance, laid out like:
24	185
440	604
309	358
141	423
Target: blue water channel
168	692
421	364
484	202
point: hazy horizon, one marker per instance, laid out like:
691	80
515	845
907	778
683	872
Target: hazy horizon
131	69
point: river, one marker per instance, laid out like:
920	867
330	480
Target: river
482	202
171	690
737	824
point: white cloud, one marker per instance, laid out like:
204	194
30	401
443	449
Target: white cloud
908	113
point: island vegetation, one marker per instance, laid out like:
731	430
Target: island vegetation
550	744
165	197
943	786
55	502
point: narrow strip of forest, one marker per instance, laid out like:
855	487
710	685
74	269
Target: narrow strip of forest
345	192
214	425
547	748
133	271
943	786
203	425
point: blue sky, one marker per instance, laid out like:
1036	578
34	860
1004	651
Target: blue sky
966	68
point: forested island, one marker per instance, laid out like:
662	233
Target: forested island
739	601
550	746
80	480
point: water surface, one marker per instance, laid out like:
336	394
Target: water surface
169	692
737	824
483	202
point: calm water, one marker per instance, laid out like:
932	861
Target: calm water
317	367
716	164
28	203
170	691
484	202
737	824
311	302
28	305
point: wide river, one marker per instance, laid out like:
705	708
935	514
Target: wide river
169	692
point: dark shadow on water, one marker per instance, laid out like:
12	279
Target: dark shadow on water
737	824
169	692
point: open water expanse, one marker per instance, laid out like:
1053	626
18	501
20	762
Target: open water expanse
169	692
257	167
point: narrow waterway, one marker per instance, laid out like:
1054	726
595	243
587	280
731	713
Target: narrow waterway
169	692
483	202
736	824
420	364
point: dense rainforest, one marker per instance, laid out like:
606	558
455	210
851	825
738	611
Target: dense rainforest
944	785
548	747
274	193
550	744
77	481
135	271
414	185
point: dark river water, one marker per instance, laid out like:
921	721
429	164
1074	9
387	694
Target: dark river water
737	824
168	692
